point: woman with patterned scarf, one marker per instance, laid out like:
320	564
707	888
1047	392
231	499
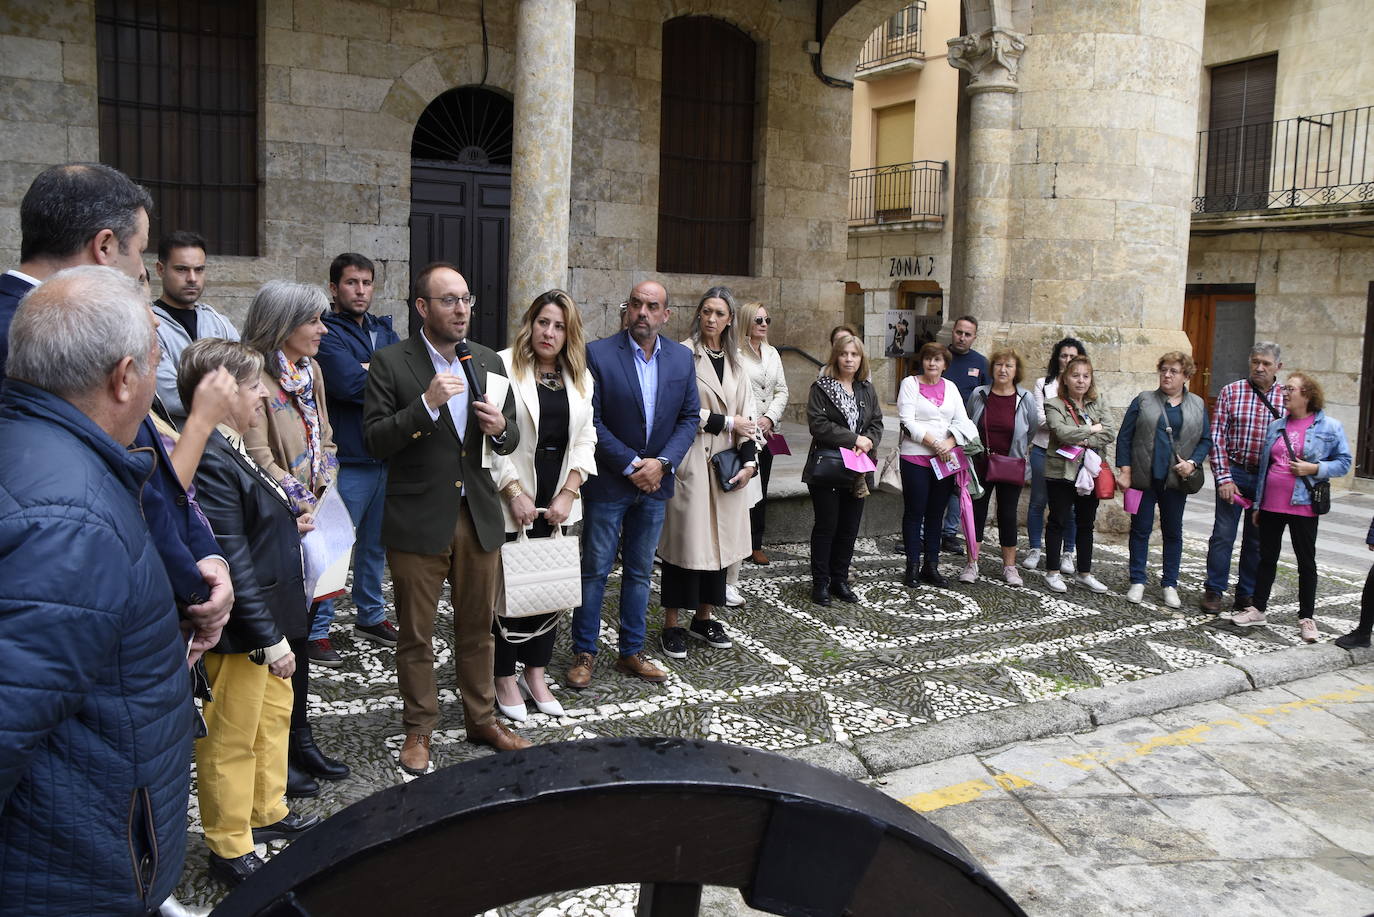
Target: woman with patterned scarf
296	448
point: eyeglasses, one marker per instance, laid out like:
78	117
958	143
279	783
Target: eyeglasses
762	320
450	302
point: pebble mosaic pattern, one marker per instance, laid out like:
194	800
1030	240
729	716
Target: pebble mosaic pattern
800	674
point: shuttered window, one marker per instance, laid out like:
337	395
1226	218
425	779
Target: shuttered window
706	148
179	112
1240	129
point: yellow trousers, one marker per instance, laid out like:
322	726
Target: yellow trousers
241	764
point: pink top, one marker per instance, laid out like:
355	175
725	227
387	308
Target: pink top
1279	482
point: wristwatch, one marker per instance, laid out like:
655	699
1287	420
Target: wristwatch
667	465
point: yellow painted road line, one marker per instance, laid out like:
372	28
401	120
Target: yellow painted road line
971	790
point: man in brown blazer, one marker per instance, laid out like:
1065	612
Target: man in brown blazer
442	519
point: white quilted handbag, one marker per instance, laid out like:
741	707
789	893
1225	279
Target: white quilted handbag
541	575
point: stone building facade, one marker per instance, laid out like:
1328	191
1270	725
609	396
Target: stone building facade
1070	205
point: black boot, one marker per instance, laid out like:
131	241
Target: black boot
840	590
820	590
911	578
1353	640
299	784
931	574
306	755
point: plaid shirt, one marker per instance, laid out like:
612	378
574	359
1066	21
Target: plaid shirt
1238	424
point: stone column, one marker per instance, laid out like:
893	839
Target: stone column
541	165
990	58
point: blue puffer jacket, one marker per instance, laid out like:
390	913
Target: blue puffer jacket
1325	444
95	715
343	351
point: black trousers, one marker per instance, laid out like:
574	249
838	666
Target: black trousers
300	681
1302	532
837	516
1008	496
1069	507
758	512
689	589
1366	624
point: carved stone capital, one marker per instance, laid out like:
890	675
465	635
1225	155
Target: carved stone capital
990	57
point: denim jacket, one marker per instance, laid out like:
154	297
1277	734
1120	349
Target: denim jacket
1324	444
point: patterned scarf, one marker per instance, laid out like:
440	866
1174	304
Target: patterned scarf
847	403
297	381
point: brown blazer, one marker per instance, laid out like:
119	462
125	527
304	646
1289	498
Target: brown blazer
430	468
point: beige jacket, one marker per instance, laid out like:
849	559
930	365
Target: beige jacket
278	442
705	528
519	465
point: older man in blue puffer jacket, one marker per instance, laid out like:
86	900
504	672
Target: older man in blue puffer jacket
95	716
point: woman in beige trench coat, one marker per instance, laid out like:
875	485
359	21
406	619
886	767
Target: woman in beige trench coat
706	529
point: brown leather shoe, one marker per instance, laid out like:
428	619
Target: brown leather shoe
497	736
640	667
759	558
415	754
580	672
1211	601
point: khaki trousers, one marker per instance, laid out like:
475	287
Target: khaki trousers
241	763
474	576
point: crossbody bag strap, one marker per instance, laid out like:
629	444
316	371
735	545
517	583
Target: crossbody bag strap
1295	456
1264	399
1168	427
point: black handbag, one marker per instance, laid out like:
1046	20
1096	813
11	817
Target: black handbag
727	464
1320	492
828	469
1193	483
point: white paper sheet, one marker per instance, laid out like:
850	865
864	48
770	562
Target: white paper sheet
326	550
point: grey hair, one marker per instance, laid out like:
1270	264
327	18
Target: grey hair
727	337
72	330
278	309
1267	347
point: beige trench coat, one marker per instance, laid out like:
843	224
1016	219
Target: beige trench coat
705	528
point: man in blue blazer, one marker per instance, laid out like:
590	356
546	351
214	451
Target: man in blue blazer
645	409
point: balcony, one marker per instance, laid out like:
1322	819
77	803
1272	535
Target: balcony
910	195
894	46
1314	164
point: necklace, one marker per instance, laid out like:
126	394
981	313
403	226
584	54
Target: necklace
553	381
714	354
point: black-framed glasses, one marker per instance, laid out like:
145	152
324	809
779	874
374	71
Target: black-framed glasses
451	301
762	320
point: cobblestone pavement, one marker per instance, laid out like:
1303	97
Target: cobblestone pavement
1255	804
801	675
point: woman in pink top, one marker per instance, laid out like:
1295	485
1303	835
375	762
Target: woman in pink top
1300	450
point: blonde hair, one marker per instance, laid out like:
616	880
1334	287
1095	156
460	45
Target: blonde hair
573	357
842	342
1091	393
745	315
1184	362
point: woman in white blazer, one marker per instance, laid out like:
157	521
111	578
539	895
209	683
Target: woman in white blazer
540	481
933	422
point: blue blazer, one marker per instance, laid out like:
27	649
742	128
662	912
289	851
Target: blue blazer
618	413
343	350
12	289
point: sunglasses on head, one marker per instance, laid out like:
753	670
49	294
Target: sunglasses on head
762	320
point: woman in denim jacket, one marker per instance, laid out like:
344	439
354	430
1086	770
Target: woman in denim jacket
1283	498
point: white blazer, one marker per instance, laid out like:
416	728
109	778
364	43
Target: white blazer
519	465
920	417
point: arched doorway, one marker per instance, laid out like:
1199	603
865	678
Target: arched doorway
460	199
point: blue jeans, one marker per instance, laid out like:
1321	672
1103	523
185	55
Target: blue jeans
1171	503
1223	540
1039	500
362	487
923	504
639	520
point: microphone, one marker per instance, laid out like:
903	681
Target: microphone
465	360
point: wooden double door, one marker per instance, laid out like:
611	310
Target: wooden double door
462	215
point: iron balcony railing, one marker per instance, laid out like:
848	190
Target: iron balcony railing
896	39
1311	160
895	194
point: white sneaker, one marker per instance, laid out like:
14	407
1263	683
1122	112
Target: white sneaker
1012	576
1250	617
1056	582
1032	559
733	598
1171	597
1066	566
1135	593
970	574
1088	581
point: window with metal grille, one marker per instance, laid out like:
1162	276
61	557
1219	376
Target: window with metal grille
706	148
179	112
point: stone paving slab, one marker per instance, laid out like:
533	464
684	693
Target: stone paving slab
905	677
